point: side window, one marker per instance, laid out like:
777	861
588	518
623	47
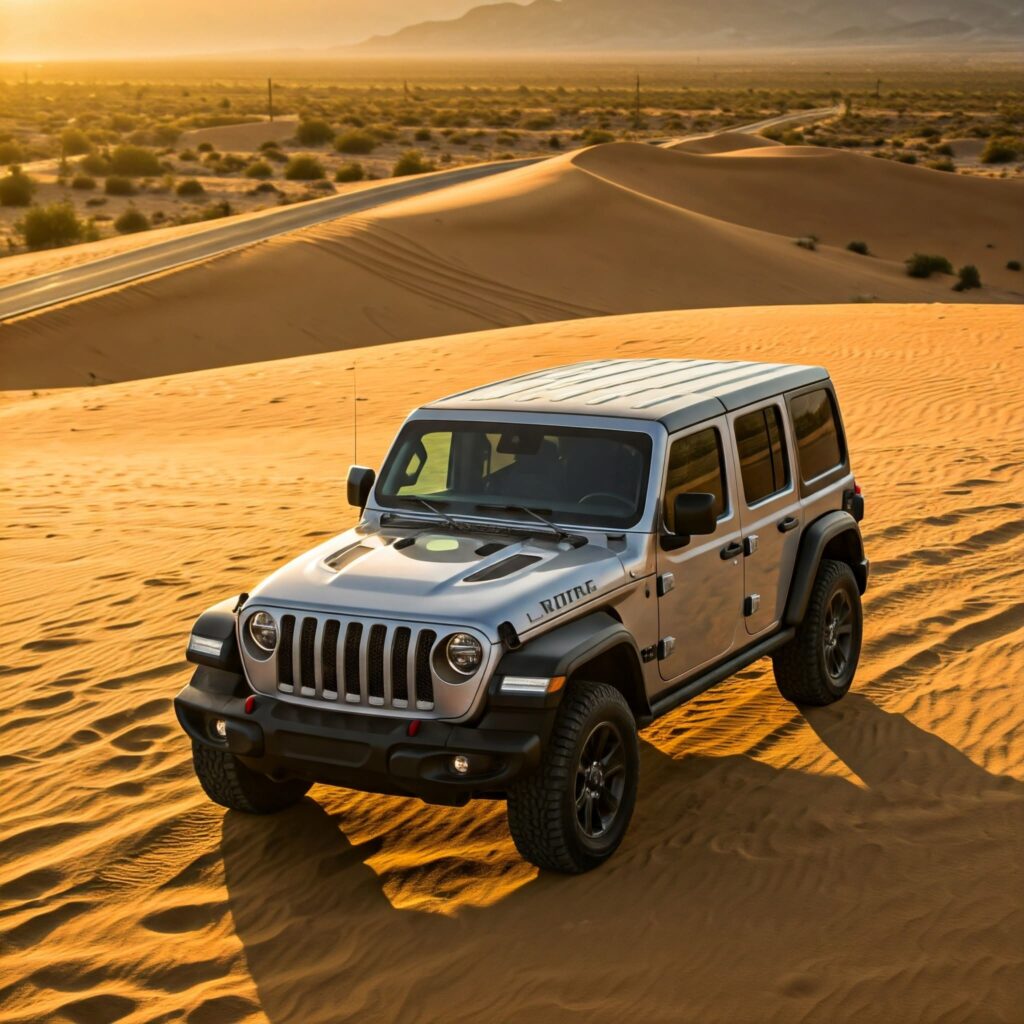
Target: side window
817	437
695	465
425	469
763	463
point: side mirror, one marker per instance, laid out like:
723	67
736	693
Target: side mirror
694	516
360	483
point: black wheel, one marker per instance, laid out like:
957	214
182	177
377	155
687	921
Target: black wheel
229	783
817	666
571	814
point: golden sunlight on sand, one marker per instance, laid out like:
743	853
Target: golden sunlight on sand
860	862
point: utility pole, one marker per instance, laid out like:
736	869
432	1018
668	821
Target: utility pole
270	98
405	89
636	114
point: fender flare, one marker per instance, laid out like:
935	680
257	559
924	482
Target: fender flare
815	540
564	649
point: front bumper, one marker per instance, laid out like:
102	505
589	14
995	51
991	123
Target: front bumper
359	751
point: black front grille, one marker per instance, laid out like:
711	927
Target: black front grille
375	662
329	656
424	675
353	636
400	664
306	661
284	651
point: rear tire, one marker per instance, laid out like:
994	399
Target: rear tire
571	814
230	783
818	665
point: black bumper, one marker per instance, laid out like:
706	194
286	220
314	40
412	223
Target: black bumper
360	751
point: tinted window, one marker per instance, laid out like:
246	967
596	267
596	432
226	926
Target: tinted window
695	466
762	451
817	437
575	475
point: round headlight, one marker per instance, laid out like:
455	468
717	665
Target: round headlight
263	631
464	653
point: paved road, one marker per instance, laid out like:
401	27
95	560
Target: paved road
49	289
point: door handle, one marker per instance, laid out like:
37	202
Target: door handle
789	523
733	550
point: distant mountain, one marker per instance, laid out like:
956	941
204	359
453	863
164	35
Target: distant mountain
632	25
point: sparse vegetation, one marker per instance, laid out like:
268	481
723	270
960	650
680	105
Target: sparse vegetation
352	171
923	265
217	210
969	277
861	248
1013	265
47	227
314	132
11	153
73	142
83	181
999	151
304	168
808	242
190	187
356	141
115	185
16	188
134	161
131	221
259	169
94	163
411	162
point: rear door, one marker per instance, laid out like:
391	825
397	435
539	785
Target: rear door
769	510
701	584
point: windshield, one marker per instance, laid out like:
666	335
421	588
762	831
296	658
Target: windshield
573	475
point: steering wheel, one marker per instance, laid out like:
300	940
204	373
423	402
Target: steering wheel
605	497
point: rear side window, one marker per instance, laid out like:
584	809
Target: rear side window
695	466
763	463
817	436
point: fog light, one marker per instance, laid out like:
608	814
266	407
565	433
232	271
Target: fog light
460	764
220	728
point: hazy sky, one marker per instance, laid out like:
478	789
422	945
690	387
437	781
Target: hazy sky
71	29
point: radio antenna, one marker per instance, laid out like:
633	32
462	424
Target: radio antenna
355	418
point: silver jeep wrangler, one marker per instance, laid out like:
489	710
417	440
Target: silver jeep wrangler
543	567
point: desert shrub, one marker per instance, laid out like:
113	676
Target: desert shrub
923	265
188	155
94	164
96	201
969	278
264	186
259	169
596	137
122	122
999	151
46	227
11	153
350	172
540	122
356	141
16	189
190	187
166	134
134	161
205	147
229	163
269	144
861	248
411	162
944	149
83	181
131	221
555	142
217	210
808	242
276	155
1013	264
314	132
906	158
304	168
946	165
423	135
74	141
118	186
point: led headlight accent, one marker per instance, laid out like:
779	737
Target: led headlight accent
464	653
204	645
263	631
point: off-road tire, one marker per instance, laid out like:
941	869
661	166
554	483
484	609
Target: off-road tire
542	809
802	670
229	783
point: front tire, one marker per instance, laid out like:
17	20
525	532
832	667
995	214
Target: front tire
818	665
572	813
228	782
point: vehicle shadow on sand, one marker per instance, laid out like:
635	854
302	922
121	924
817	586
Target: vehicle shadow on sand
743	892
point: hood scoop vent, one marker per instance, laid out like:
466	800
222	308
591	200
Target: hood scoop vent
490	548
346	556
501	569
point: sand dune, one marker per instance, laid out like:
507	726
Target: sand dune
723	142
612	229
242	137
859	863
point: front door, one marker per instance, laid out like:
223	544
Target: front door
769	509
700	584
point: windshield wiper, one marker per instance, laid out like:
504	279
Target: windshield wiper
536	514
455	524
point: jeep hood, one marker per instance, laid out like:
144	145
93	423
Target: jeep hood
445	577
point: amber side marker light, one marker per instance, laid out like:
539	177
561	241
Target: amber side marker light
532	685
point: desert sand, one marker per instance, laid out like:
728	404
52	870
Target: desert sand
863	862
611	229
